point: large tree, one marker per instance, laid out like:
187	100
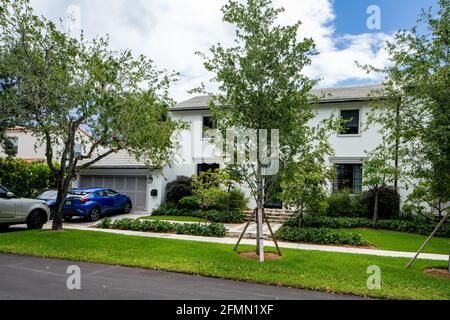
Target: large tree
61	85
414	107
262	86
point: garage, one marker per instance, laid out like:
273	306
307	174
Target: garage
133	186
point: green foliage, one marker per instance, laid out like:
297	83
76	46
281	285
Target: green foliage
262	82
304	184
216	191
211	215
190	203
205	230
409	226
26	179
346	204
178	189
57	85
320	236
414	107
389	202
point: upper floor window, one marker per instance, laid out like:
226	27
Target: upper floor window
208	124
13	145
351	122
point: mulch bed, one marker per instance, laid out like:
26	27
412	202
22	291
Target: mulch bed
443	273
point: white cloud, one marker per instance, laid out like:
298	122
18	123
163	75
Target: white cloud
171	31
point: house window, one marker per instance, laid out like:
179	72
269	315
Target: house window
208	124
348	176
77	150
14	144
207	167
351	119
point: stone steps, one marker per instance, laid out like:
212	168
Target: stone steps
274	216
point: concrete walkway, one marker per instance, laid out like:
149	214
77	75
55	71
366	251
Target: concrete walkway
286	245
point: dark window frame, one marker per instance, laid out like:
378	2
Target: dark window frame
211	125
348	176
351	122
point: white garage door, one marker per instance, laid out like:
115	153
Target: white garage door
133	186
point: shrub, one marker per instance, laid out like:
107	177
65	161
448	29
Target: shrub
212	215
345	204
178	189
410	226
208	230
26	179
190	203
320	236
389	203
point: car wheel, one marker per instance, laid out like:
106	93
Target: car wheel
94	214
127	207
67	218
36	220
4	227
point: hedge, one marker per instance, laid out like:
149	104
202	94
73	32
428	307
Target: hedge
206	230
25	179
418	227
212	215
320	236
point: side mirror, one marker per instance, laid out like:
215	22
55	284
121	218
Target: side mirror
10	195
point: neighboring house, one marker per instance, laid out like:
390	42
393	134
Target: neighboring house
146	188
30	147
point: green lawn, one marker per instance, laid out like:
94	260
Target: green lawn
331	272
399	241
175	218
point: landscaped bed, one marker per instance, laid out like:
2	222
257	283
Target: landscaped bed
175	218
330	272
196	229
358	232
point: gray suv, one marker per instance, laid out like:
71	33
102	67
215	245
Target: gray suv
33	213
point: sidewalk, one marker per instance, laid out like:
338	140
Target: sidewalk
286	245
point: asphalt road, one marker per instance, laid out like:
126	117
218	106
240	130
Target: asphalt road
24	278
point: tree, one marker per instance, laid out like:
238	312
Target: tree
377	174
262	87
62	84
413	108
305	183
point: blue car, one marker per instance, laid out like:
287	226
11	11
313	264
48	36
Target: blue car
94	203
50	198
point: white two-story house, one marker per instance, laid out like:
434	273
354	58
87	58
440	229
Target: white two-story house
146	187
196	153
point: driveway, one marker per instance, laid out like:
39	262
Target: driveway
44	279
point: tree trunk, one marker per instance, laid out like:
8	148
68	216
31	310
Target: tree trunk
375	210
301	218
260	215
63	191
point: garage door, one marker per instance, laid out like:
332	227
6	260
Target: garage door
133	186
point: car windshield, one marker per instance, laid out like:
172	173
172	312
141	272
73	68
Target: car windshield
48	195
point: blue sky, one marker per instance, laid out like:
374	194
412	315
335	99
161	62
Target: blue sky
171	31
395	14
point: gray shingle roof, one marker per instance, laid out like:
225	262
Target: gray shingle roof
327	95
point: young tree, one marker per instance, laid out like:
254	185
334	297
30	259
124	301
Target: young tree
63	84
262	86
378	173
414	106
305	183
